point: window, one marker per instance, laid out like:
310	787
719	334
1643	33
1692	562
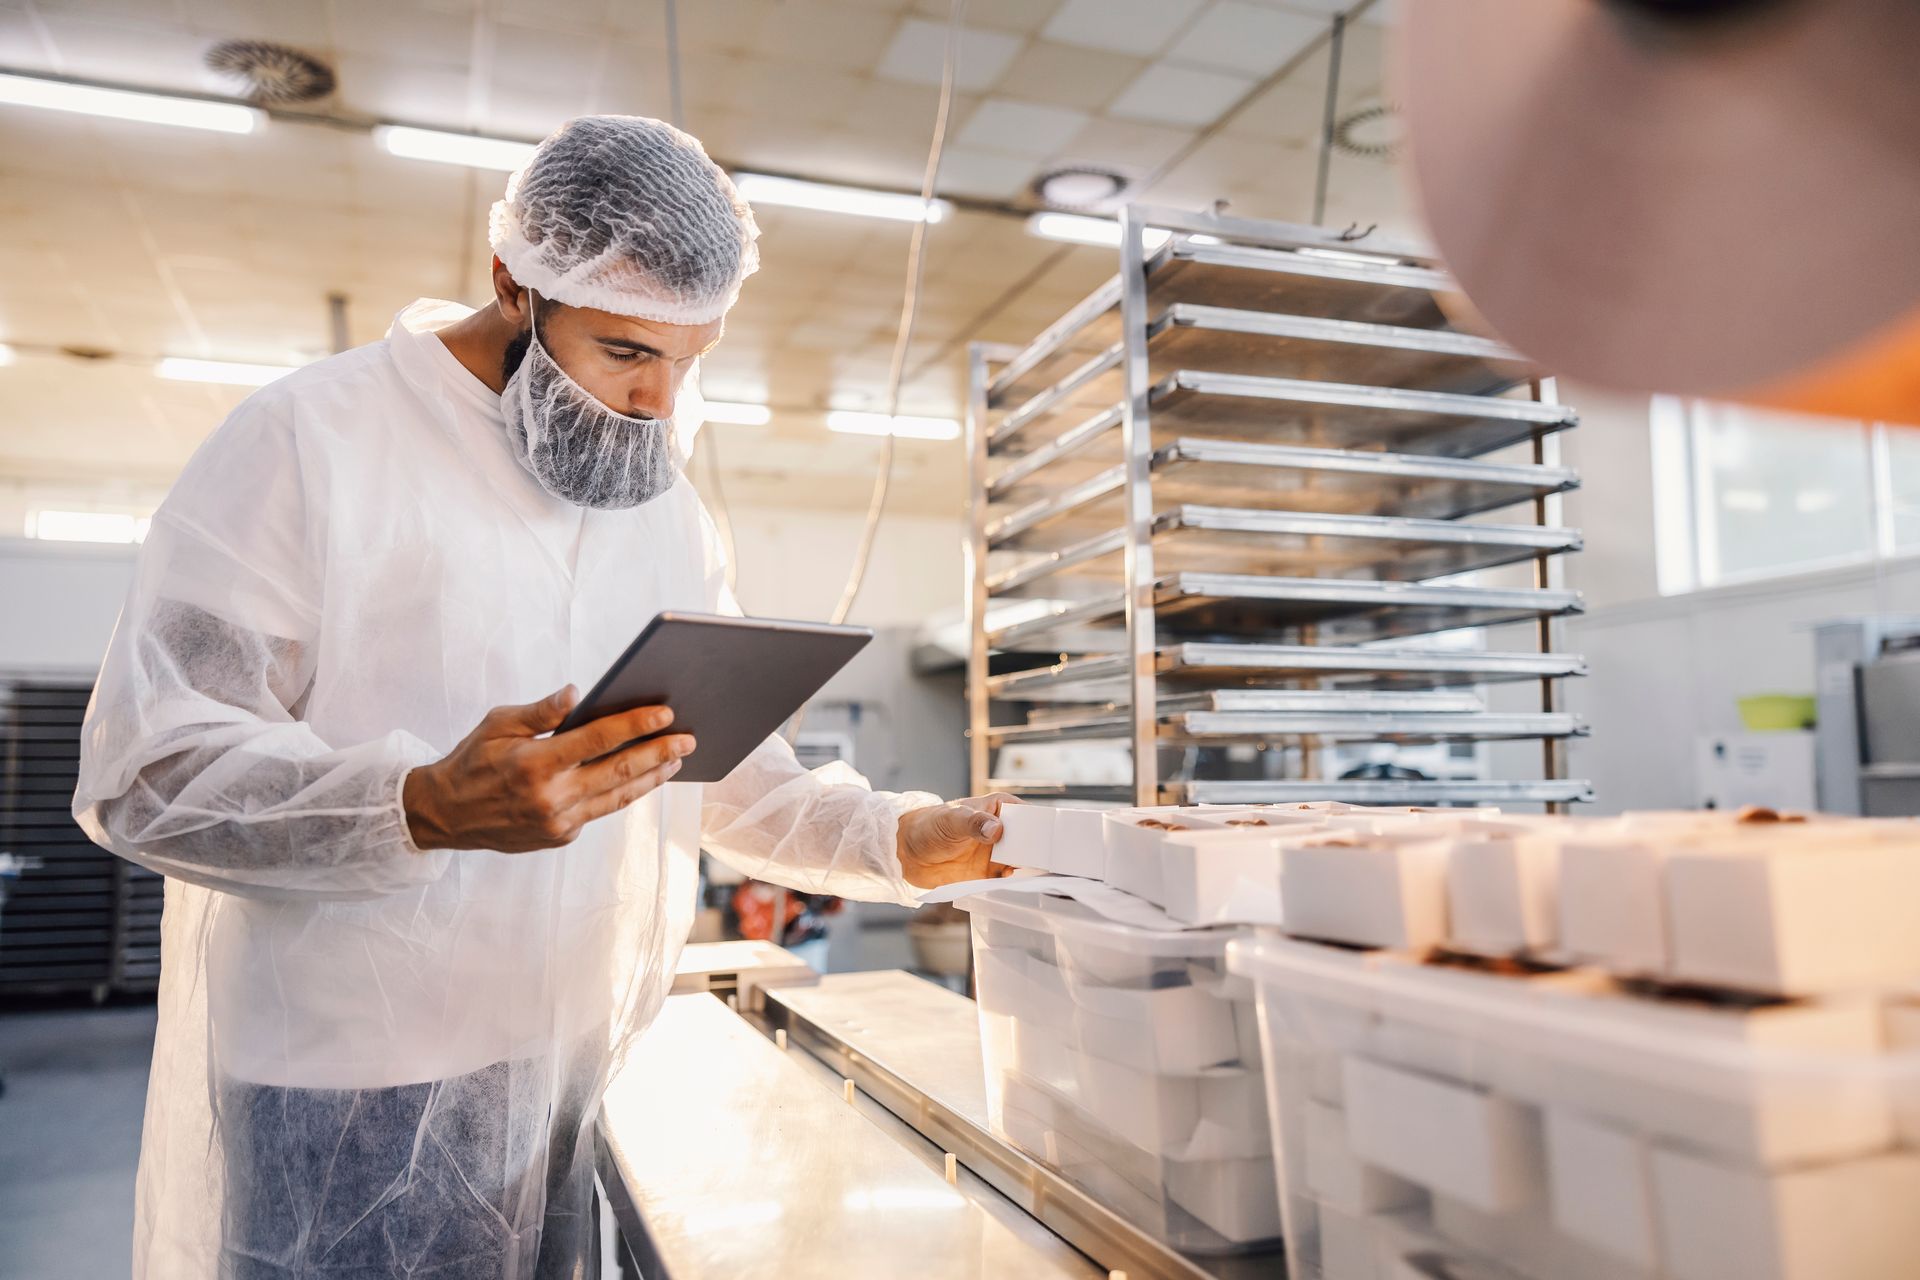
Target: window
1743	493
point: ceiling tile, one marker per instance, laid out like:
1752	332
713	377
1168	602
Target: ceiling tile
403	32
1124	26
1166	94
301	23
1124	144
832	35
130	53
918	52
538	55
1001	15
390	90
1021	128
984	175
1069	76
1245	38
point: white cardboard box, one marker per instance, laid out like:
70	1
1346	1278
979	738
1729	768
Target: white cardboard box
1903	1037
1800	916
1175	1030
1698	1085
1222	877
1612	907
1240	1199
1450	1138
1027	837
1851	1221
1600	1186
1080	842
1340	1178
1369	890
1525	1243
1502	895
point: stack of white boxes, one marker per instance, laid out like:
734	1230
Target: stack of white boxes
1683	1046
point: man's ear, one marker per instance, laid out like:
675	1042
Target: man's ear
508	295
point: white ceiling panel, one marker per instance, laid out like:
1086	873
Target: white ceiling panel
1173	95
1124	26
917	55
984	175
1021	128
1246	39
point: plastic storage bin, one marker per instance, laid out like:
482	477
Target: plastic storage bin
1495	1120
1127	1059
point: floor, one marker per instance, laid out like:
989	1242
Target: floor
76	1081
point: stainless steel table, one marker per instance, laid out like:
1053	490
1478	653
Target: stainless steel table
725	1157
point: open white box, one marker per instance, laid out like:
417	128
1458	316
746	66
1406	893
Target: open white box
1365	889
1808	914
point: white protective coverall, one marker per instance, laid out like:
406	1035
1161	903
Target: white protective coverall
374	1061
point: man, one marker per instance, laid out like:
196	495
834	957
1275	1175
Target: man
408	937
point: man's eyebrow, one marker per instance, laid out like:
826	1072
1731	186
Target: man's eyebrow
628	344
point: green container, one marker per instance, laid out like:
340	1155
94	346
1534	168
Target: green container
1768	711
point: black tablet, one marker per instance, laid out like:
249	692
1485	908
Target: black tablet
730	681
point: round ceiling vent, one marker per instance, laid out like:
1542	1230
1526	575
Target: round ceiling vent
271	74
1080	187
1372	133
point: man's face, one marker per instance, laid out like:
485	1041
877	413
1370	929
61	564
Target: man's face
632	366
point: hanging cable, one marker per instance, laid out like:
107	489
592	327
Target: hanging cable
909	312
708	447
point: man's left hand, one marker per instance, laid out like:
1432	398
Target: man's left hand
947	843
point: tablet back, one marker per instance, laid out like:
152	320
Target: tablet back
730	681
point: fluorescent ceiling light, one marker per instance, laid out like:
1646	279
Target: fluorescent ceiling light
761	188
738	413
1347	255
230	372
126	104
879	424
7	355
1078	228
86	526
453	148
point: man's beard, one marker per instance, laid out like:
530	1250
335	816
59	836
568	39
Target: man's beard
516	352
578	449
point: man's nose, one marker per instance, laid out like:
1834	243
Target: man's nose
652	396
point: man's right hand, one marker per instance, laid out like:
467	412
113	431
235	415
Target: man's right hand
506	788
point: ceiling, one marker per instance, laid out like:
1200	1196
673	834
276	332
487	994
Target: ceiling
135	241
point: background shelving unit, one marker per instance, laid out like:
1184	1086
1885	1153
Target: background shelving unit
1214	506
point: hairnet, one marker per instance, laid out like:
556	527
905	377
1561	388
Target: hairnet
628	215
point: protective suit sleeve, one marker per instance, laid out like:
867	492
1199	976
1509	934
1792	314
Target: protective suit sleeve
194	761
818	831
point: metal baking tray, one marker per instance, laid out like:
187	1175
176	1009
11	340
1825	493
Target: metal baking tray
1436	791
1278	700
1439	791
1285	543
1104	678
1334	415
1240	473
1187	337
1345	726
1284	610
1232	276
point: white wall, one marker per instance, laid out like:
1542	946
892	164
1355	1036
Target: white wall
1668	669
793	563
58	602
